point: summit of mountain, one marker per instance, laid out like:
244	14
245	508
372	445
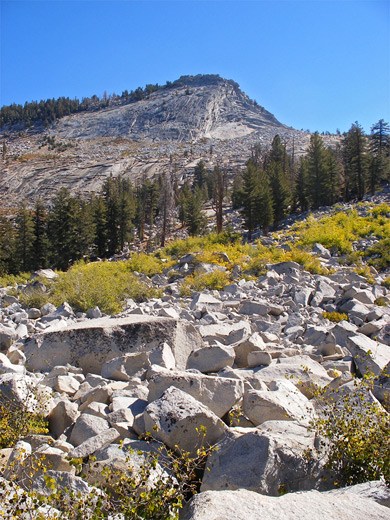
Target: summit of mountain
138	135
192	108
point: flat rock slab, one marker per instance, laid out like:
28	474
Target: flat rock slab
242	504
92	343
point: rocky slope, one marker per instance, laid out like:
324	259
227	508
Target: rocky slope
206	117
241	361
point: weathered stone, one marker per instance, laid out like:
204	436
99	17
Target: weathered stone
178	420
242	504
211	359
94	313
7	337
302	371
251	308
92	343
242	349
162	356
123	368
259	357
33	313
95	443
217	393
320	250
63	415
282	402
273	456
369	355
85	427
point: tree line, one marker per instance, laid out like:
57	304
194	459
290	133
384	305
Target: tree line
49	110
272	185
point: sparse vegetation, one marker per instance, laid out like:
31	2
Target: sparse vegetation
357	432
336	317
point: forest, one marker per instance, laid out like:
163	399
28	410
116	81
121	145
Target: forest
272	186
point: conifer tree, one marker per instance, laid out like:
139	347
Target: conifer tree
99	212
301	199
317	172
24	238
332	190
167	205
250	191
218	196
264	204
280	190
356	161
40	249
195	218
7	247
380	153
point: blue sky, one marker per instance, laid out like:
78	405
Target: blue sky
314	64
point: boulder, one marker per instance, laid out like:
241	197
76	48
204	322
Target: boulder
87	426
242	504
369	355
211	359
123	368
219	394
63	415
162	356
90	344
282	402
251	308
94	443
274	458
179	420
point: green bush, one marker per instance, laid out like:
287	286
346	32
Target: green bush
144	493
216	280
336	317
21	418
105	284
357	433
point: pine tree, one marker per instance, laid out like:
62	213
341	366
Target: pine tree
100	225
24	238
356	161
250	190
195	218
280	190
40	250
167	205
317	172
62	234
332	190
184	194
301	199
218	196
275	163
380	153
264	203
7	247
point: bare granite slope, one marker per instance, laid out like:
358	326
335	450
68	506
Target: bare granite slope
198	118
204	107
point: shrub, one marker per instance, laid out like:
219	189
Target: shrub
155	490
217	280
145	264
8	280
19	418
382	209
105	284
336	317
357	430
386	282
